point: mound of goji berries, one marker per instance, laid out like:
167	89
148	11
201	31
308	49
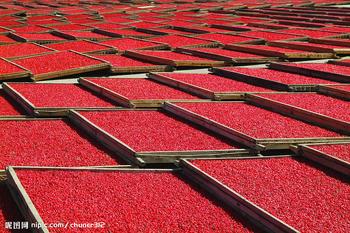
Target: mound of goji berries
141	88
48	143
21	50
156	131
59	95
59	61
126	202
304	195
179	41
79	46
279	76
215	83
256	122
325	105
225	38
341	151
8	108
129	44
9	213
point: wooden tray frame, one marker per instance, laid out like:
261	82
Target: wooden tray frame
309	72
263	219
322	158
26	118
299	24
331	42
18	38
137	69
296	55
159	46
11	117
302	114
336	36
140	69
26	205
158	32
278	86
197	90
115	35
295	38
267	26
50	50
227	59
147	157
232	28
176	63
30	108
109	49
332	90
339	62
78	70
68	36
240	137
25	74
251	41
3	175
205	44
311	48
122	100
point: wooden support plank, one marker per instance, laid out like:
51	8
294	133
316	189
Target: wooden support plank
140	69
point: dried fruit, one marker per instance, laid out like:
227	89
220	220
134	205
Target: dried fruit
156	131
322	104
215	83
79	46
270	36
305	195
129	44
48	143
279	76
21	50
141	88
141	201
179	41
256	122
8	108
341	151
50	95
58	61
226	38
